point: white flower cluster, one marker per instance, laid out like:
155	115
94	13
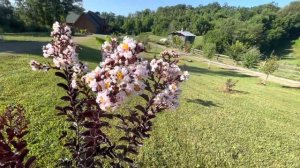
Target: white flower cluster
168	54
79	70
121	74
168	72
61	49
168	98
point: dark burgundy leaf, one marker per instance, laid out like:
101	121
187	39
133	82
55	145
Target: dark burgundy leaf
121	147
66	98
30	162
63	135
141	108
59	108
128	160
89	124
61	113
59	74
72	128
64	86
131	150
10	133
146	97
68	108
89	152
125	139
21	145
86	133
109	116
24	153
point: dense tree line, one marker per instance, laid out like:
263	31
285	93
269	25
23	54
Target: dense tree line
34	15
264	26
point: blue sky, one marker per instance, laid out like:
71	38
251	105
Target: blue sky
124	7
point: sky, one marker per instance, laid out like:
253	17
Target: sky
124	7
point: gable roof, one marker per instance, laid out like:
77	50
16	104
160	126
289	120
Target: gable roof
72	17
184	33
93	17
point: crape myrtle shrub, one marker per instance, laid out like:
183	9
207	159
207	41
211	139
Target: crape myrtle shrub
92	98
13	128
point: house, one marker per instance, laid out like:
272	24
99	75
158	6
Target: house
90	21
186	36
72	18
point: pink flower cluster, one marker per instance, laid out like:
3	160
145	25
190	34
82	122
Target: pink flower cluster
62	51
168	72
120	75
62	48
79	70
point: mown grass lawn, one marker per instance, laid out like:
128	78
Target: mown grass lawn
258	126
290	62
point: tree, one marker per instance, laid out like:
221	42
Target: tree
236	50
251	57
269	67
209	51
39	15
177	42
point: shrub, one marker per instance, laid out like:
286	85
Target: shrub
198	43
13	128
209	51
251	58
269	67
177	42
236	50
83	31
92	98
229	85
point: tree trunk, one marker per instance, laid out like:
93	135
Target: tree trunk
209	62
265	82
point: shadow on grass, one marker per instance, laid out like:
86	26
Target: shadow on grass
285	48
227	73
22	47
35	48
203	102
240	92
289	87
89	54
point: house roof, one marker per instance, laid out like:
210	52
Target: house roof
93	17
72	17
184	33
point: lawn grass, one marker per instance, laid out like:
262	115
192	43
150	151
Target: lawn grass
26	37
258	126
290	62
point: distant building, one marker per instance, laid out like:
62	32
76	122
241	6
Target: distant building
90	21
186	36
72	18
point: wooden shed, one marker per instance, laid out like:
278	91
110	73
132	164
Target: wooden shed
90	21
186	36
